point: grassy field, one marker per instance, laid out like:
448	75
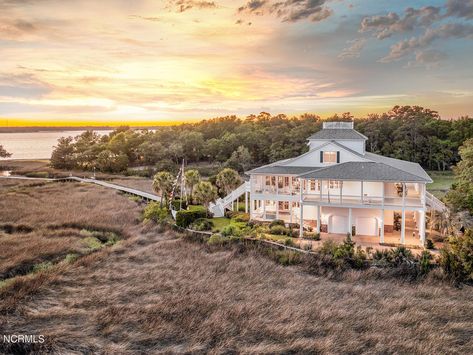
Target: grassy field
155	292
443	181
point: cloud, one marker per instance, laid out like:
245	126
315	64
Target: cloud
184	5
354	50
460	8
289	10
405	47
429	58
385	26
16	28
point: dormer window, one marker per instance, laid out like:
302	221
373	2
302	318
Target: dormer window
330	157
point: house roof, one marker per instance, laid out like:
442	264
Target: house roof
337	133
407	166
368	171
281	169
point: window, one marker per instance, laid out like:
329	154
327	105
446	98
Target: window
330	157
335	184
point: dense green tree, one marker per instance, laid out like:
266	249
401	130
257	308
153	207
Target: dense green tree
62	156
240	159
461	195
205	192
163	183
112	162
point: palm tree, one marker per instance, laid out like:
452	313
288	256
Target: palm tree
192	177
205	193
162	184
228	180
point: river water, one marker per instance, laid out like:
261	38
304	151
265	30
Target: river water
34	145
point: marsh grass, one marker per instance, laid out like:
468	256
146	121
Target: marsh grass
158	292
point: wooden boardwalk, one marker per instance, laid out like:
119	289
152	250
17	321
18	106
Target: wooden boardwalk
128	190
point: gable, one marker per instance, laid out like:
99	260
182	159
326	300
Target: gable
312	157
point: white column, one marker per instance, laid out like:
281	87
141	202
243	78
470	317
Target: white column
277	209
251	208
349	221
246	201
301	207
264	209
403	220
290	211
321	187
381	234
361	192
318	219
341	191
422	227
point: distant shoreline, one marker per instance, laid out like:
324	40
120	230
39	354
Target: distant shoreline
65	128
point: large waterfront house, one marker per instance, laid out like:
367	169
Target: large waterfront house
338	187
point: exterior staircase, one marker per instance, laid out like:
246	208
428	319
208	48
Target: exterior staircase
434	203
218	208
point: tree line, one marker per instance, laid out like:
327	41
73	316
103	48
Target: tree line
406	132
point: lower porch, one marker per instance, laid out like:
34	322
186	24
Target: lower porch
366	225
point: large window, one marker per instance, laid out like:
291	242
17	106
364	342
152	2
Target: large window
335	184
330	157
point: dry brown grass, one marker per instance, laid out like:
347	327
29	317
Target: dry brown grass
155	293
158	293
42	222
141	184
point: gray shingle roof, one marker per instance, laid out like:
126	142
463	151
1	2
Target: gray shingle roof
281	169
368	171
407	166
329	133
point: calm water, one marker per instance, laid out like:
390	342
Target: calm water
34	145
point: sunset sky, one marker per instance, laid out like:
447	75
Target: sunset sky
147	61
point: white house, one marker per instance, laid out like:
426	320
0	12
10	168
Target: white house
338	187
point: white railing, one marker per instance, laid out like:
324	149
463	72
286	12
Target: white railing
434	202
218	208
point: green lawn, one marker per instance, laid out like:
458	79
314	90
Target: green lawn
443	181
220	222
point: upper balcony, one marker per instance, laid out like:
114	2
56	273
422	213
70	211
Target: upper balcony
334	192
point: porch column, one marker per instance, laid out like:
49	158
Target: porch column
341	191
290	211
318	219
403	217
349	221
381	233
264	209
246	201
301	208
422	227
321	186
277	209
361	197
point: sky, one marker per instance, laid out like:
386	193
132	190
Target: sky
143	62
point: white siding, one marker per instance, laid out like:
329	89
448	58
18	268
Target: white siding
312	158
356	145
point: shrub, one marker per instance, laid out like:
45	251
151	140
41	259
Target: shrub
425	265
457	257
288	242
231	230
155	212
276	222
429	244
177	203
312	235
184	218
241	217
285	257
216	239
202	224
278	230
